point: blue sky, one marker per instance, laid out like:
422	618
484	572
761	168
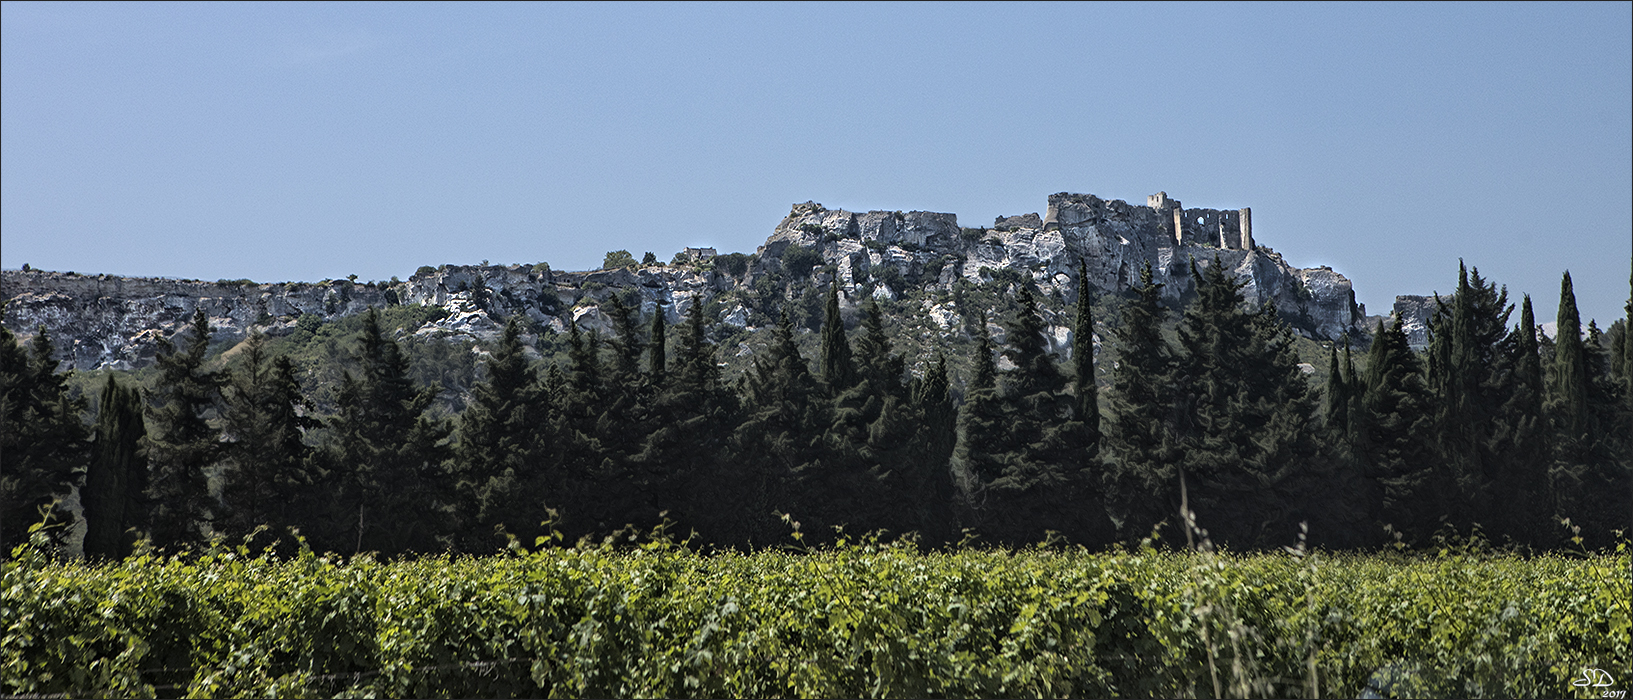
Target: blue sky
307	141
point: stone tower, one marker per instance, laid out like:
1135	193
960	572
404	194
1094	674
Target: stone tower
1247	228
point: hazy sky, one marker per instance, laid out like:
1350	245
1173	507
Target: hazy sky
306	141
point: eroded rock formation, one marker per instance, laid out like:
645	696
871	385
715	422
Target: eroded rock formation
106	321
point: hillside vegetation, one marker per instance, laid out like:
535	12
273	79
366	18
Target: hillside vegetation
368	438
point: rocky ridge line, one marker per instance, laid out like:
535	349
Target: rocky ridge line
104	321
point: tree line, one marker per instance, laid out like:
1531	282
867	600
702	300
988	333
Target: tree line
1493	426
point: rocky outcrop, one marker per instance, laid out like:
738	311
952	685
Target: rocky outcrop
105	321
1414	312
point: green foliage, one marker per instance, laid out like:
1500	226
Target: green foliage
854	620
117	477
181	443
734	264
616	259
799	260
1141	440
649	258
268	466
41	436
386	456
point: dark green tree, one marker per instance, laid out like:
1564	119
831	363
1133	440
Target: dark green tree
1250	447
1568	393
837	370
181	442
657	350
1519	441
982	428
1083	375
693	415
1043	481
112	495
1396	438
1141	443
502	442
395	493
268	468
779	442
928	477
43	441
1591	469
1470	377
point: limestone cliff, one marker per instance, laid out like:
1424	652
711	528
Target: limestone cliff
114	322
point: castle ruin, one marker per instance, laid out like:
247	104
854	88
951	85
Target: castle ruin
1232	230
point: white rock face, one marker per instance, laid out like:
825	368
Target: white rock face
106	321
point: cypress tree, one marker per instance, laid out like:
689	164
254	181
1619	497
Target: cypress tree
837	369
871	428
266	418
930	487
1471	379
181	443
1522	442
42	438
1335	407
1568	396
982	426
657	351
1043	484
692	420
117	476
1591	467
1088	393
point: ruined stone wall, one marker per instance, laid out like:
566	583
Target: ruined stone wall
1212	227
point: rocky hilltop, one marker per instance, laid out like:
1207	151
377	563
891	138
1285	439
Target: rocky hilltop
103	321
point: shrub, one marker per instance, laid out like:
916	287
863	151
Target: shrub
617	259
799	260
734	264
425	271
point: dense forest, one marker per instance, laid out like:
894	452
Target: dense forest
1493	428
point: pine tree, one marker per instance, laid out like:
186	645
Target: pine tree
1396	438
1140	442
388	454
503	437
181	442
268	468
117	476
42	439
1250	453
692	417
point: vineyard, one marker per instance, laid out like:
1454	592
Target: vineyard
858	619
